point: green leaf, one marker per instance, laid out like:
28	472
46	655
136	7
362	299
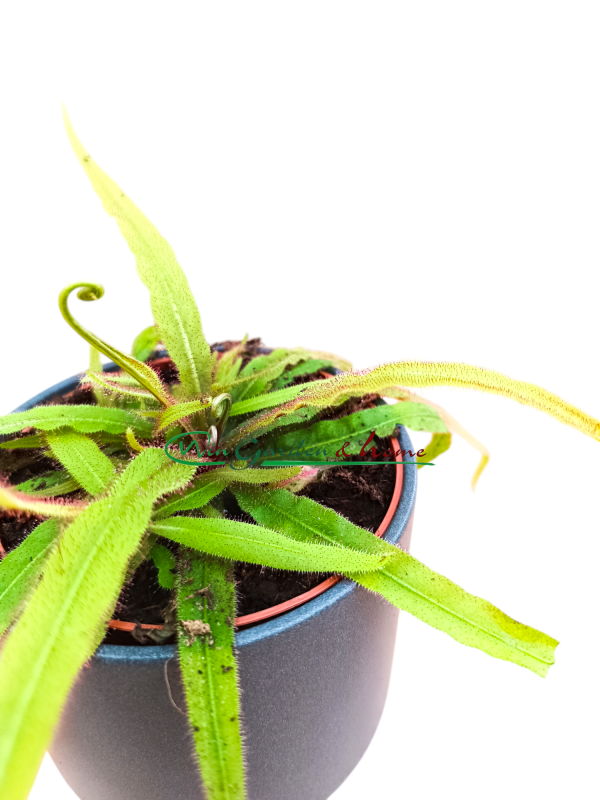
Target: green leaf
405	582
21	569
229	364
104	381
173	305
259	373
17	501
356	428
51	484
440	442
82	458
64	621
307	368
24	443
241	541
207	486
145	343
85	419
164	561
206	609
265	400
179	411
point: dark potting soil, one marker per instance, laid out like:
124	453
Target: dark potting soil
362	494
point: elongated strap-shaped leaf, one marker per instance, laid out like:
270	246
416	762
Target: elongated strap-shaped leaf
17	501
330	435
85	419
145	343
52	484
204	488
179	411
206	610
417	374
96	366
440	442
307	368
173	305
405	582
82	458
103	381
240	541
258	374
265	400
71	605
24	443
21	569
164	561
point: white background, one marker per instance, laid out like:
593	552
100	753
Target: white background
389	181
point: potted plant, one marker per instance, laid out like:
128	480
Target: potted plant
171	474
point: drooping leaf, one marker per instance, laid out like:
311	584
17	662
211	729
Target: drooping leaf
145	343
71	605
330	435
51	484
21	569
164	561
206	610
173	306
453	427
240	541
416	374
404	581
85	419
440	442
82	458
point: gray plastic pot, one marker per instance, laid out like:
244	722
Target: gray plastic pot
313	686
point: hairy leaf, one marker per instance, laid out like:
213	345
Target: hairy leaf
241	541
24	443
258	374
206	610
71	606
85	419
51	484
145	343
179	411
411	373
307	368
17	501
164	561
21	569
404	581
261	401
356	428
104	381
210	484
173	305
82	458
229	364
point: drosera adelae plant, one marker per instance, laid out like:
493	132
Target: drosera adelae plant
117	499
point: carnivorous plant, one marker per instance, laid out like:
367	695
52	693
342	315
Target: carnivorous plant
144	473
